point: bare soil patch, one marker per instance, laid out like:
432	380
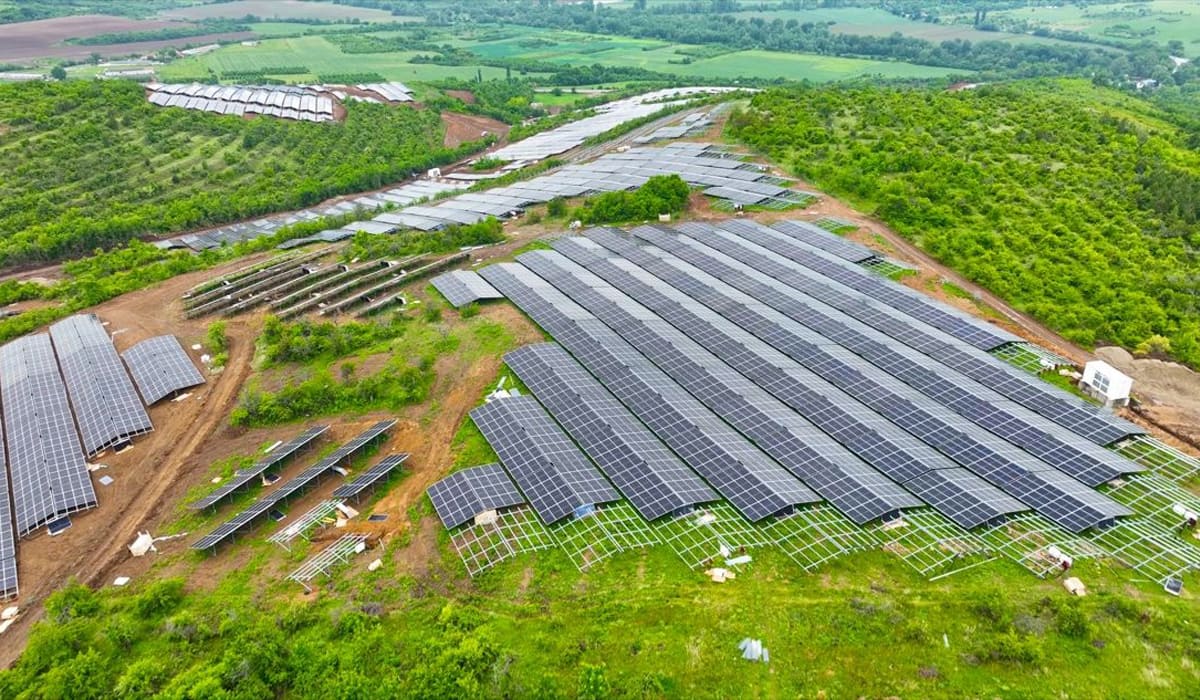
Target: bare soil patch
24	41
466	96
1169	392
461	128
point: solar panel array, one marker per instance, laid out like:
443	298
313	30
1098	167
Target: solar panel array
700	165
690	125
556	477
370	477
779	335
8	537
160	367
612	114
862	493
464	494
391	91
45	460
757	275
957	323
1034	482
654	480
107	408
757	486
266	226
291	487
462	287
1074	506
830	243
273	459
283	101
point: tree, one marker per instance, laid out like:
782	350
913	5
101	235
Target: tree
58	73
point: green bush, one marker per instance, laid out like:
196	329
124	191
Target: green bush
661	194
302	341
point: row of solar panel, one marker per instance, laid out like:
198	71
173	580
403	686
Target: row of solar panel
294	485
698	164
403	195
568	136
993	468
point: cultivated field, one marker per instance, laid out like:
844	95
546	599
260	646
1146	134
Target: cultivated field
278	9
573	48
524	43
320	57
873	21
26	41
1159	21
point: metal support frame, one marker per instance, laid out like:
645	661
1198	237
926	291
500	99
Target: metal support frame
1038	544
304	524
340	552
1149	549
608	530
1160	457
515	531
819	534
929	542
700	536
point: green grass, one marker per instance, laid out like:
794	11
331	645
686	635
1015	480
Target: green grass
864	626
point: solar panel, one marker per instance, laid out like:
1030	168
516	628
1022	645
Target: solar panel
758	487
45	460
1070	412
160	367
462	287
274	458
759	277
262	506
107	408
735	196
370	477
465	494
978	333
8	540
856	489
654	480
829	242
557	478
963	497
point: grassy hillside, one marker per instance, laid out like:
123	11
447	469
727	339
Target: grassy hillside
1077	204
88	164
638	626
